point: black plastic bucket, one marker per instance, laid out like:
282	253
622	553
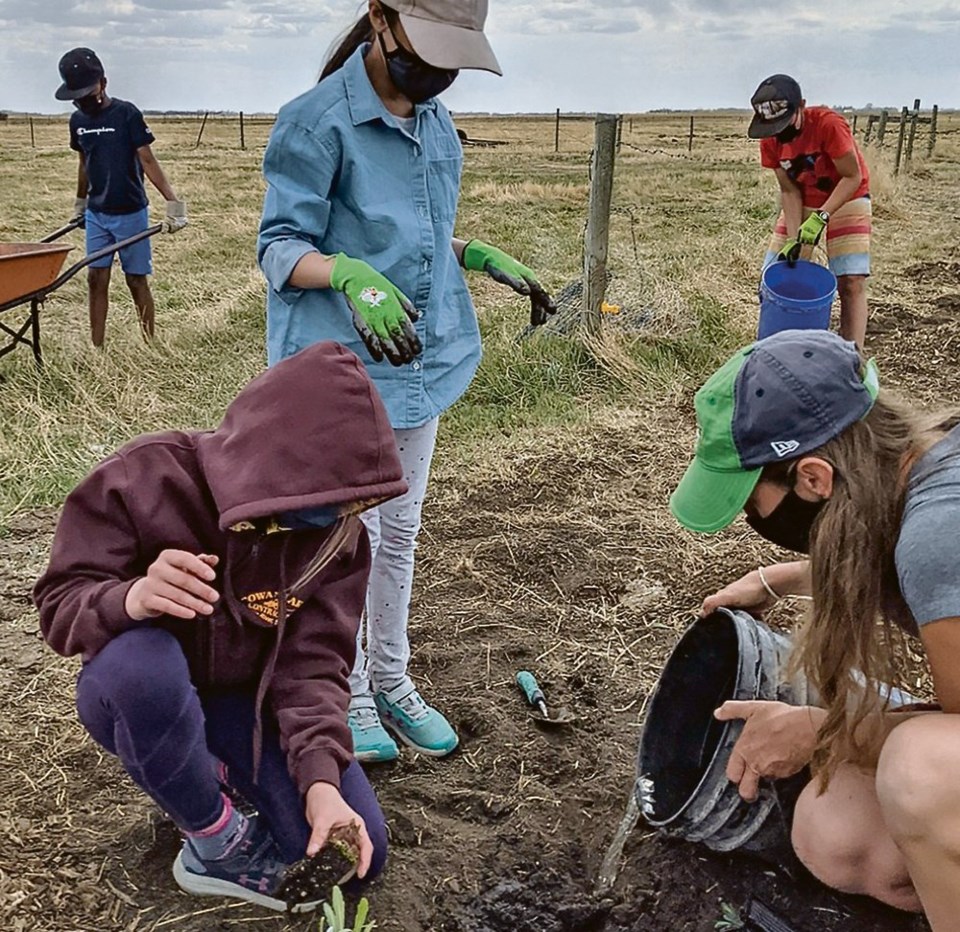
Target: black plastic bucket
682	787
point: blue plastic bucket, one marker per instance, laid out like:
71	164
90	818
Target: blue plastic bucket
797	297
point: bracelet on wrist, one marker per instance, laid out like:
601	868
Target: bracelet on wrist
770	590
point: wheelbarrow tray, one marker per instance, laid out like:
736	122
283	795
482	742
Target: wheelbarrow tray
26	268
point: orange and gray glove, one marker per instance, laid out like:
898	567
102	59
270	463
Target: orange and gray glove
479	256
382	314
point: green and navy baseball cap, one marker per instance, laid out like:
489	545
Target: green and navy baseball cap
775	400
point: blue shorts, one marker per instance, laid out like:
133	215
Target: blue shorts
108	229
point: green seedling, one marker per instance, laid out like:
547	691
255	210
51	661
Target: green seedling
729	919
335	915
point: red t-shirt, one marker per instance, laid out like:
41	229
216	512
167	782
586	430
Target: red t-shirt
808	159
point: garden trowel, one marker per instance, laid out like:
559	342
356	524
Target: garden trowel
534	695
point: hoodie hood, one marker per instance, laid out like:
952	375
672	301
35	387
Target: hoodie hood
310	431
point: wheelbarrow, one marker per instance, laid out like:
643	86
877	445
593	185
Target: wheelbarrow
31	271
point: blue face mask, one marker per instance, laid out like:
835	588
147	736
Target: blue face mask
309	518
412	76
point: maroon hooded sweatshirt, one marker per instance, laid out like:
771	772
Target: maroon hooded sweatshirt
311	431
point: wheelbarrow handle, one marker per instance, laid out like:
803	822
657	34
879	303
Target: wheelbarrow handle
100	253
63	231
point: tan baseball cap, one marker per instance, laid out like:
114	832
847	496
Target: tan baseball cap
448	33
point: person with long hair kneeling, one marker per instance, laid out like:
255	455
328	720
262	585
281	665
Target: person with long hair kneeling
795	433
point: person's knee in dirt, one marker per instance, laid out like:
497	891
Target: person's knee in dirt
113	144
840	836
400	296
212	581
824	188
795	434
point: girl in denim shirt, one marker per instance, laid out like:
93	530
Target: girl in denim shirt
363	178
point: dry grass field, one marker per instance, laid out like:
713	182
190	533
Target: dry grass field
547	542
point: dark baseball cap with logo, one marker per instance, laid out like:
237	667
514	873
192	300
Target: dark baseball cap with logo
775	400
81	71
774	103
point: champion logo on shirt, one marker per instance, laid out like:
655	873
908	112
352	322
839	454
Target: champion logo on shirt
83	131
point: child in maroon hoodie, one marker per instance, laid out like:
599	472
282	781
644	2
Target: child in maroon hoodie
212	583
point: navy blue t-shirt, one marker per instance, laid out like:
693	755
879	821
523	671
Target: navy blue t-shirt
109	143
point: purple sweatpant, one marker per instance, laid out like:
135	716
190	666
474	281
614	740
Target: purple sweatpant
137	701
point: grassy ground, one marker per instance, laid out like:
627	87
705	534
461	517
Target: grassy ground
546	541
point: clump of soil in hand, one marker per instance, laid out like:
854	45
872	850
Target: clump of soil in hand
333	865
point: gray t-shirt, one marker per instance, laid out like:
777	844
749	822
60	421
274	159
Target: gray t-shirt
927	549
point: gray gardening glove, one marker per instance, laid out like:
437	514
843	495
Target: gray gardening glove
176	218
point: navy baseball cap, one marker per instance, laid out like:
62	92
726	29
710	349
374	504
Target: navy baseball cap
774	104
775	400
81	71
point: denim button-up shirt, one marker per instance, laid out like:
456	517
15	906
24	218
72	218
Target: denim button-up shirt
342	176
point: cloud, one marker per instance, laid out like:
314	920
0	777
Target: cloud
603	54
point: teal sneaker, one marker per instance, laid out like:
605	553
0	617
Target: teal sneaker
372	743
414	722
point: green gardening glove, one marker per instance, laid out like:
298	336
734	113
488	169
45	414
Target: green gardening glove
382	313
789	252
479	256
811	229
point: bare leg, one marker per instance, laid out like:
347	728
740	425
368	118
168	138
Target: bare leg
841	839
98	289
143	299
918	785
853	307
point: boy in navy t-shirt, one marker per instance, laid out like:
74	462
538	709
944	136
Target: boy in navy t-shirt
113	143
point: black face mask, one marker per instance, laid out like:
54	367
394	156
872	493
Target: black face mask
412	76
91	105
789	524
788	134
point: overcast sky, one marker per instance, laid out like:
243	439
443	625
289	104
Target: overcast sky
615	55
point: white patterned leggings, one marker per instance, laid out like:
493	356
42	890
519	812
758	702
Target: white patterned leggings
393	528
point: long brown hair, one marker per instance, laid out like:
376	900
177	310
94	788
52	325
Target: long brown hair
359	33
854	638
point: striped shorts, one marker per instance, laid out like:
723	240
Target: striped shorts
848	239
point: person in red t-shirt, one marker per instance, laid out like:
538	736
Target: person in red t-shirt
824	186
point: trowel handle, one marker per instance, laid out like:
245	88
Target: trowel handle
531	688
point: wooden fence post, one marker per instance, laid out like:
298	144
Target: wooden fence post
597	239
556	133
202	125
243	142
690	138
33	141
915	116
932	137
882	127
619	132
853	129
871	119
903	127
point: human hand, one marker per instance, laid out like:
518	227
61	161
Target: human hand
777	741
789	252
811	229
326	813
176	218
382	313
748	593
175	584
80	212
479	256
